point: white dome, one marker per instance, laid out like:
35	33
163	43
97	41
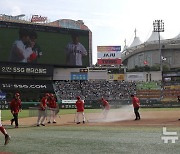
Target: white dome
154	37
135	42
177	37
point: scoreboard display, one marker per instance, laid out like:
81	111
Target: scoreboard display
46	44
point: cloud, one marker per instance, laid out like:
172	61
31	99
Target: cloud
16	10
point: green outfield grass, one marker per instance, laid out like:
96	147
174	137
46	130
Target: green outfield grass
78	139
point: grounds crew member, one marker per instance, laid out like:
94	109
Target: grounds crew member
42	110
80	109
4	132
136	105
15	107
106	107
53	108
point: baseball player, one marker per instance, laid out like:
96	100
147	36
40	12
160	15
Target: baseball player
42	110
136	105
178	99
34	47
15	107
4	132
75	51
53	107
18	50
80	109
106	107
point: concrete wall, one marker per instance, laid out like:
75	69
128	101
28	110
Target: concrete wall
143	76
64	73
98	75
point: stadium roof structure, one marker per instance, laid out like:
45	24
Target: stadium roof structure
154	37
135	42
177	37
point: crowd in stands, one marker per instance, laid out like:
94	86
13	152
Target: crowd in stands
115	90
90	90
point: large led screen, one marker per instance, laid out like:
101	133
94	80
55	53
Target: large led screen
26	43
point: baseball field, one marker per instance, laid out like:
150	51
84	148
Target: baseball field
119	133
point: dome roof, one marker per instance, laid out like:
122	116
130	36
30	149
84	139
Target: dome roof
154	37
177	37
135	42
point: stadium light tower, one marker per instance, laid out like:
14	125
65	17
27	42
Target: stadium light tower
159	27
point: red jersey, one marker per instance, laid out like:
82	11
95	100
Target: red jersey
43	103
15	105
135	102
80	106
52	103
105	104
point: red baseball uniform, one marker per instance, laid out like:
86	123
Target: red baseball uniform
43	103
15	105
135	102
80	106
105	104
52	103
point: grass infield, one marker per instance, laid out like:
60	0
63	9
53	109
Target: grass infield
75	139
88	139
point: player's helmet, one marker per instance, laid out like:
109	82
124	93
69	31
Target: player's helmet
17	94
78	97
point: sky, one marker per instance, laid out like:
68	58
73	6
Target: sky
111	21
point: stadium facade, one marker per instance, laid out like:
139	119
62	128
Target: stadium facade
148	53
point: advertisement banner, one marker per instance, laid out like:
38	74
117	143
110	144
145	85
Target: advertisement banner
172	87
109	61
38	18
26	69
108	48
79	76
135	77
116	77
3	103
26	85
109	55
2	96
108	52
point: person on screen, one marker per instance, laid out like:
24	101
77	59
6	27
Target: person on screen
18	51
33	48
75	51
